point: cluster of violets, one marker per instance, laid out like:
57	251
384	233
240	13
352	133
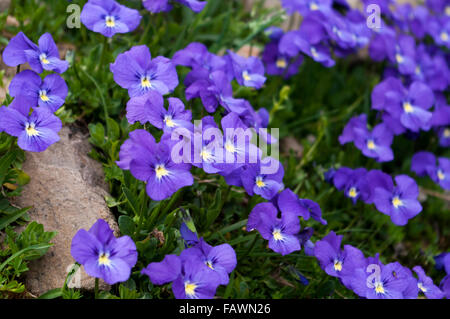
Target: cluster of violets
30	116
413	42
414	81
398	201
370	278
195	273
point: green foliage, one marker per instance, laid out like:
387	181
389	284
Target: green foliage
312	107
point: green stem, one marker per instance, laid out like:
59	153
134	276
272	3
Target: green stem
96	288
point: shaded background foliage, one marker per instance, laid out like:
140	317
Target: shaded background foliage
311	107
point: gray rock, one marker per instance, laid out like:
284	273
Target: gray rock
67	192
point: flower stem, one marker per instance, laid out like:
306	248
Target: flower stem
96	288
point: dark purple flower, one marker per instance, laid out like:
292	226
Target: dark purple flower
280	232
432	70
407	108
348	134
156	6
190	237
426	285
150	108
306	6
280	64
424	163
152	162
202	62
49	93
354	183
247	71
219	259
381	42
265	184
238	149
215	91
103	255
382	284
294	42
336	262
190	277
21	50
443	262
375	143
289	203
35	132
109	17
399	202
136	71
439	29
402	53
445	286
194	5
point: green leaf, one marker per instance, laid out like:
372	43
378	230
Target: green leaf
23	251
131	200
51	294
114	129
126	225
5	164
8	219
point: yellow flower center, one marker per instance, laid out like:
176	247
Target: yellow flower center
447	10
447	132
421	287
281	63
31	131
371	145
246	76
230	147
352	192
440	175
444	36
189	289
379	289
397	202
205	154
277	234
43	96
259	182
399	58
209	264
161	171
43	58
110	21
104	260
337	265
314	52
145	82
313	6
169	122
407	107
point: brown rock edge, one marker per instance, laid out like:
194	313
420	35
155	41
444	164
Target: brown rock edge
67	191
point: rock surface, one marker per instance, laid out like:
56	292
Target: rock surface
67	192
4	5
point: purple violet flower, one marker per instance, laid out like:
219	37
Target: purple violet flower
424	163
109	17
35	132
353	182
280	232
255	181
50	93
247	71
289	203
103	255
136	71
399	202
426	285
21	50
152	163
376	143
